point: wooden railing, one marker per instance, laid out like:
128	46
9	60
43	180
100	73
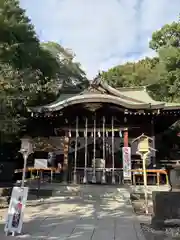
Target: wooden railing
154	177
35	170
38	172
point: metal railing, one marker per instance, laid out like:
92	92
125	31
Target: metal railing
45	174
154	177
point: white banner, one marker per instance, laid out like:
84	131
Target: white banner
126	156
14	220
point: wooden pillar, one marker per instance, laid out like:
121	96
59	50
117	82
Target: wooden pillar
154	141
126	142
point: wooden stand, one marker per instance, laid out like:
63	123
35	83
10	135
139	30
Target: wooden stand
144	157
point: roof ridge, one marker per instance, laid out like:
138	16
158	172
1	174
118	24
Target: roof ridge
138	88
118	93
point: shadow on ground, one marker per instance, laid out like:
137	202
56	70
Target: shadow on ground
89	217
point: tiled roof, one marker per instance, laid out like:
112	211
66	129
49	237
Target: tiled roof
129	98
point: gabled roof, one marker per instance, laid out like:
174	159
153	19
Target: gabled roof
100	92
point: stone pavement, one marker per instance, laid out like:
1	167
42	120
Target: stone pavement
89	217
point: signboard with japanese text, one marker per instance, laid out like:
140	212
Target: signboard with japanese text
40	163
14	220
126	156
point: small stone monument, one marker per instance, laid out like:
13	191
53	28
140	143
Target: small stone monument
166	205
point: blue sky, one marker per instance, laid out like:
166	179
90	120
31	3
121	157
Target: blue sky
102	33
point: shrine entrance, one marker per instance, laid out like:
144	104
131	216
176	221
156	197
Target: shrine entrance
95	151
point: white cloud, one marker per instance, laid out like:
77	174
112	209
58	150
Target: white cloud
102	33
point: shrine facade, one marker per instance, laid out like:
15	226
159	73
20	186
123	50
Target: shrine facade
90	130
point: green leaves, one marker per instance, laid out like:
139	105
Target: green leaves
131	74
68	71
30	73
168	35
161	74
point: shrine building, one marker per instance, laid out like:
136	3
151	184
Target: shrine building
88	131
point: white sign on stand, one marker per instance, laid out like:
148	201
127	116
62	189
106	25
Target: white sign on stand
40	163
126	156
14	220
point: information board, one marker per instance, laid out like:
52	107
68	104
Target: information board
40	163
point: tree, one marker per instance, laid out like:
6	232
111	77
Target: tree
161	74
14	94
131	74
166	42
19	45
30	74
69	71
168	35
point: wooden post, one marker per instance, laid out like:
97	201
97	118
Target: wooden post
126	142
104	157
112	150
94	153
75	152
153	141
85	152
144	157
158	178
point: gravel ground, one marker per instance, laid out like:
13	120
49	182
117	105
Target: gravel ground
169	232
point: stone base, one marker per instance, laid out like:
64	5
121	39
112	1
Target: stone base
157	223
128	182
166	206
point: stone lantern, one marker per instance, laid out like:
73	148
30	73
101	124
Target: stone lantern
144	149
174	177
26	150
